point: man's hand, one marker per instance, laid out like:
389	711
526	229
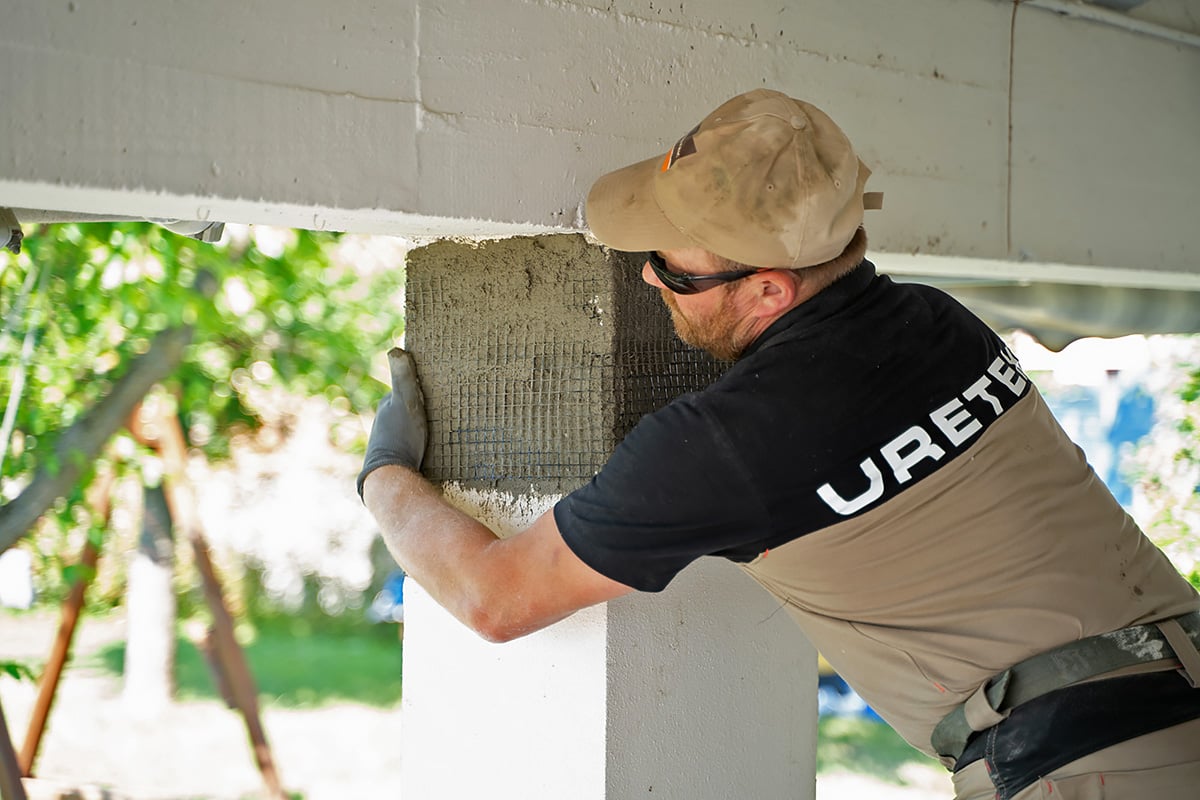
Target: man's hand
400	431
500	588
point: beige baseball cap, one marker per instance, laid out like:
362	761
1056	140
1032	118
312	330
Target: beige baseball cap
765	180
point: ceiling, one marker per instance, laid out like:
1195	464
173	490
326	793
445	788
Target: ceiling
1180	15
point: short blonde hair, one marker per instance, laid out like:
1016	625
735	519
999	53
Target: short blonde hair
820	274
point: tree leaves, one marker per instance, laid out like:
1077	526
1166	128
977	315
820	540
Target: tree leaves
17	671
309	319
286	316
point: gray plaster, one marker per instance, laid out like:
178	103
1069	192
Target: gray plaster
537	355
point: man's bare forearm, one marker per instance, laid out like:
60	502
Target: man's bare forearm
500	588
442	548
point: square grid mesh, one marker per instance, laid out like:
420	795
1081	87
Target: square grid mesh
536	357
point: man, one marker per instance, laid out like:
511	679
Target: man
874	458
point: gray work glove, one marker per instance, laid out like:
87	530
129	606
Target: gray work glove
400	430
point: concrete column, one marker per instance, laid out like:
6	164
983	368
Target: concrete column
537	356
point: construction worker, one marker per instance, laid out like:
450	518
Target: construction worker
874	457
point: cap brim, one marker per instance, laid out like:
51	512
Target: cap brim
623	213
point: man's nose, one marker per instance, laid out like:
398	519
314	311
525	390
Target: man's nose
649	277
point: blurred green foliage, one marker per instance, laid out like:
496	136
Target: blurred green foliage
17	670
81	300
1190	427
297	664
1174	488
868	747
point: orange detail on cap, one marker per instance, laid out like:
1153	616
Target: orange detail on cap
667	161
939	687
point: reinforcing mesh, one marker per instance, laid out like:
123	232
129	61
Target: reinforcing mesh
536	357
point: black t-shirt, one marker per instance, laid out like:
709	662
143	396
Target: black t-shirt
787	441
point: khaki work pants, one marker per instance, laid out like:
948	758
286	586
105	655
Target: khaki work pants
1164	765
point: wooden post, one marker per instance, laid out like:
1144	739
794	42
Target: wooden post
238	680
163	432
11	787
207	645
60	651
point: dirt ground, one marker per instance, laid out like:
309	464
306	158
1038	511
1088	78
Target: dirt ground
188	750
199	750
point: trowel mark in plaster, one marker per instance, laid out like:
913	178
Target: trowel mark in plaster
504	513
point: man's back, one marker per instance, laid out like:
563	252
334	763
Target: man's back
878	461
960	530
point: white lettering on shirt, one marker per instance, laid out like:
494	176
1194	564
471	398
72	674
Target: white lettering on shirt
1008	376
902	463
954	420
979	389
873	492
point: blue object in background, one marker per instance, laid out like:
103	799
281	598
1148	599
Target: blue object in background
1134	419
388	605
835	698
1077	408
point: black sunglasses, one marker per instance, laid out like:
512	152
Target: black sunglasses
692	284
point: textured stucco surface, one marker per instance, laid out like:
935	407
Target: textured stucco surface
537	355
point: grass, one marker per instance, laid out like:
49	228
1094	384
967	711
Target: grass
866	747
297	667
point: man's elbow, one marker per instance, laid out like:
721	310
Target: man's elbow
499	626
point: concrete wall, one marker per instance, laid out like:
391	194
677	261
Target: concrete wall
1038	137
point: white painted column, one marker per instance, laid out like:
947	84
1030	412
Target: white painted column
702	691
520	720
711	692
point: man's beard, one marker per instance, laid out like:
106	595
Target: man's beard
713	333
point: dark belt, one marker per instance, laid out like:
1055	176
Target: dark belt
1177	638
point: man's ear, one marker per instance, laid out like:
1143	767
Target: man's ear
775	292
